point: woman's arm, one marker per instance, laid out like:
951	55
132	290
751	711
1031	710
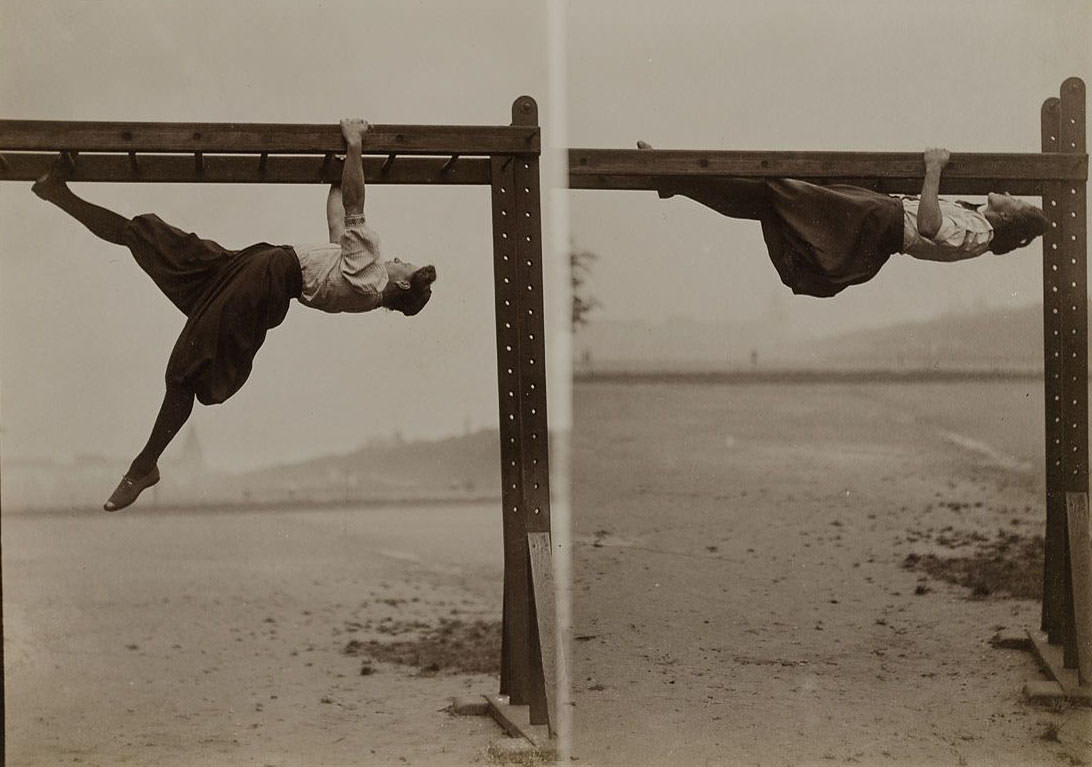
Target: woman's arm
352	171
335	213
929	216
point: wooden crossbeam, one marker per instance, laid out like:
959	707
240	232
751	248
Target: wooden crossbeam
253	138
263	168
895	172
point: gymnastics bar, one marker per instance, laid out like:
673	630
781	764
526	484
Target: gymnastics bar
529	607
242	169
1065	352
891	172
506	158
255	152
254	138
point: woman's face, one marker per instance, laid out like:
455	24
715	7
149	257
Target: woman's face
400	271
1003	204
1015	222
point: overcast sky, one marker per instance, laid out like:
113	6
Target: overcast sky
84	335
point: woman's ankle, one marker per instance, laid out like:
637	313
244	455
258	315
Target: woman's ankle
140	467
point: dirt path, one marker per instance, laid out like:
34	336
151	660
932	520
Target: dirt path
202	639
741	596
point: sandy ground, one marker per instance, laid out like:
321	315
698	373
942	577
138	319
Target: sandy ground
197	638
740	596
740	599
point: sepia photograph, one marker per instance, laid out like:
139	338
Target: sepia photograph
549	383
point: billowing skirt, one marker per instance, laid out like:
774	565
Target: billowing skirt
230	298
822	239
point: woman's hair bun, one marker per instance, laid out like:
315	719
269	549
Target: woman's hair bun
426	275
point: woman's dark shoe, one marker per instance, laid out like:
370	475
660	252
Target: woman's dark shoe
129	488
53	180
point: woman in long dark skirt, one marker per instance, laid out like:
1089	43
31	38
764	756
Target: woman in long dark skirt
822	239
231	298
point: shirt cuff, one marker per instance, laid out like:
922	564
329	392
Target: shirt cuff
354	219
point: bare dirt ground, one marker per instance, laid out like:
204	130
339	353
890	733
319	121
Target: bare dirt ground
753	582
303	637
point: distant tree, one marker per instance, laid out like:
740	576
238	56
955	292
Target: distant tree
580	262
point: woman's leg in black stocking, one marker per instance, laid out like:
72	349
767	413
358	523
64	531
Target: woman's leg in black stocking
173	414
733	197
747	198
103	223
143	472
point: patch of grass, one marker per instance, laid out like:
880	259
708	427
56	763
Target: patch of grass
453	647
1009	565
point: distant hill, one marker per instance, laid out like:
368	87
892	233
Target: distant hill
1009	339
677	342
452	469
468	466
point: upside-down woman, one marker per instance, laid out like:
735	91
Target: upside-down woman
232	297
